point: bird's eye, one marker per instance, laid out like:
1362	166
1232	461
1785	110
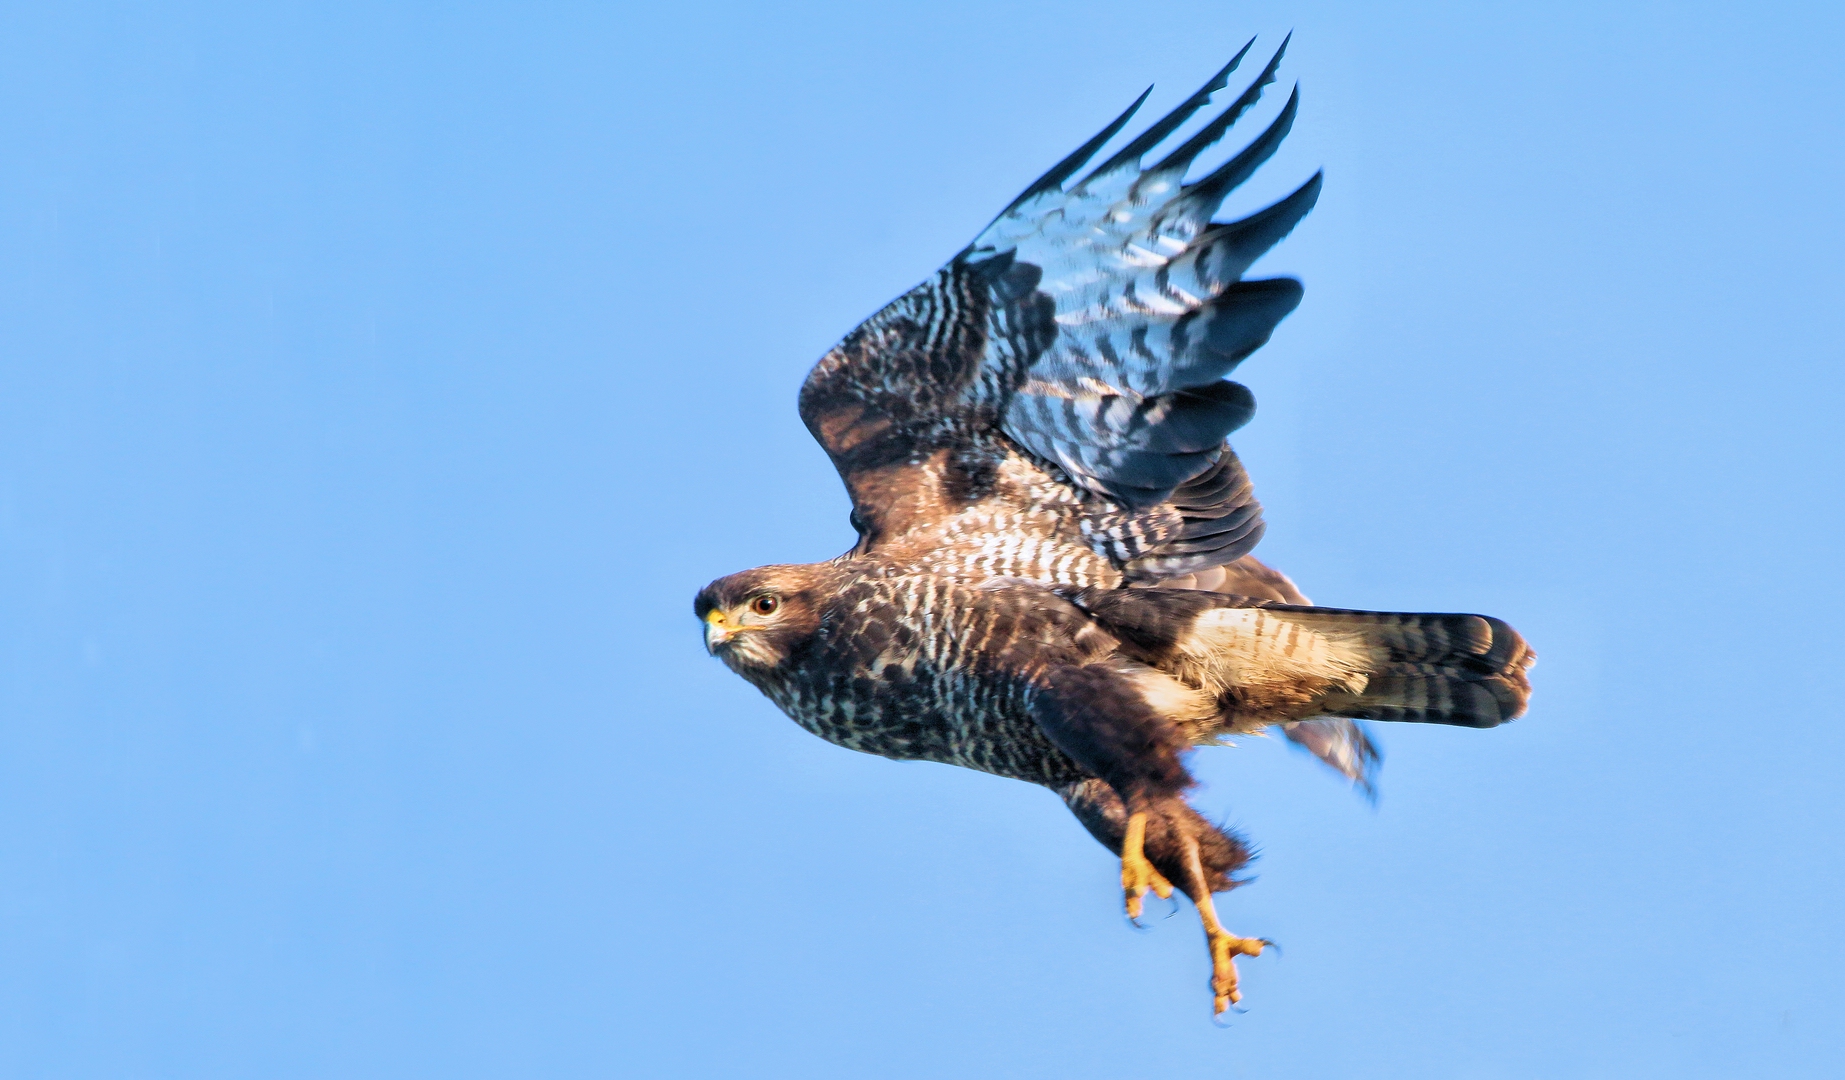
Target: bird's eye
765	605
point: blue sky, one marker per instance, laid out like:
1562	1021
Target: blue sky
378	383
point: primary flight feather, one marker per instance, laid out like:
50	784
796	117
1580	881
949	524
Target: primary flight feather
1052	579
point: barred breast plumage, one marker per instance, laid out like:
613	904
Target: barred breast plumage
915	666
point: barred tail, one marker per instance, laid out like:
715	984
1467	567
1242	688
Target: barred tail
1272	663
1467	670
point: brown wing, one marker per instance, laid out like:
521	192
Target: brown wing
1085	332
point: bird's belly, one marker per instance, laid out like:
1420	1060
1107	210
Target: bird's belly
918	715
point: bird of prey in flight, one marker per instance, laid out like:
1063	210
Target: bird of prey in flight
1052	579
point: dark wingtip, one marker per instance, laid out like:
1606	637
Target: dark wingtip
1213	131
1245	315
1064	169
1237	244
1222	78
1169	123
1209	190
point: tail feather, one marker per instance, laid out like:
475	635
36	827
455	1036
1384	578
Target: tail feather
1279	663
1467	670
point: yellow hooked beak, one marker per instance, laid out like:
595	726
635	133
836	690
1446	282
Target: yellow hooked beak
718	629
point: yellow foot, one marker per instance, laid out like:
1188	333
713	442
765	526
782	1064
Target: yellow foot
1225	948
1137	874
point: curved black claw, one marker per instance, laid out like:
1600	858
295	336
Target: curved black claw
1221	1020
1267	944
1137	925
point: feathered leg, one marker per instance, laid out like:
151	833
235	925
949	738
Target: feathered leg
1136	803
1225	947
1101	720
1137	872
1183	847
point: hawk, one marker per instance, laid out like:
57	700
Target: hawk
1052	579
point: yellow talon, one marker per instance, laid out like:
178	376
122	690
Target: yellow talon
1225	948
1137	874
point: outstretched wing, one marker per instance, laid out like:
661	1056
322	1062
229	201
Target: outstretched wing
1088	328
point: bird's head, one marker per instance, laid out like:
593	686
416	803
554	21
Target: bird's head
756	619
